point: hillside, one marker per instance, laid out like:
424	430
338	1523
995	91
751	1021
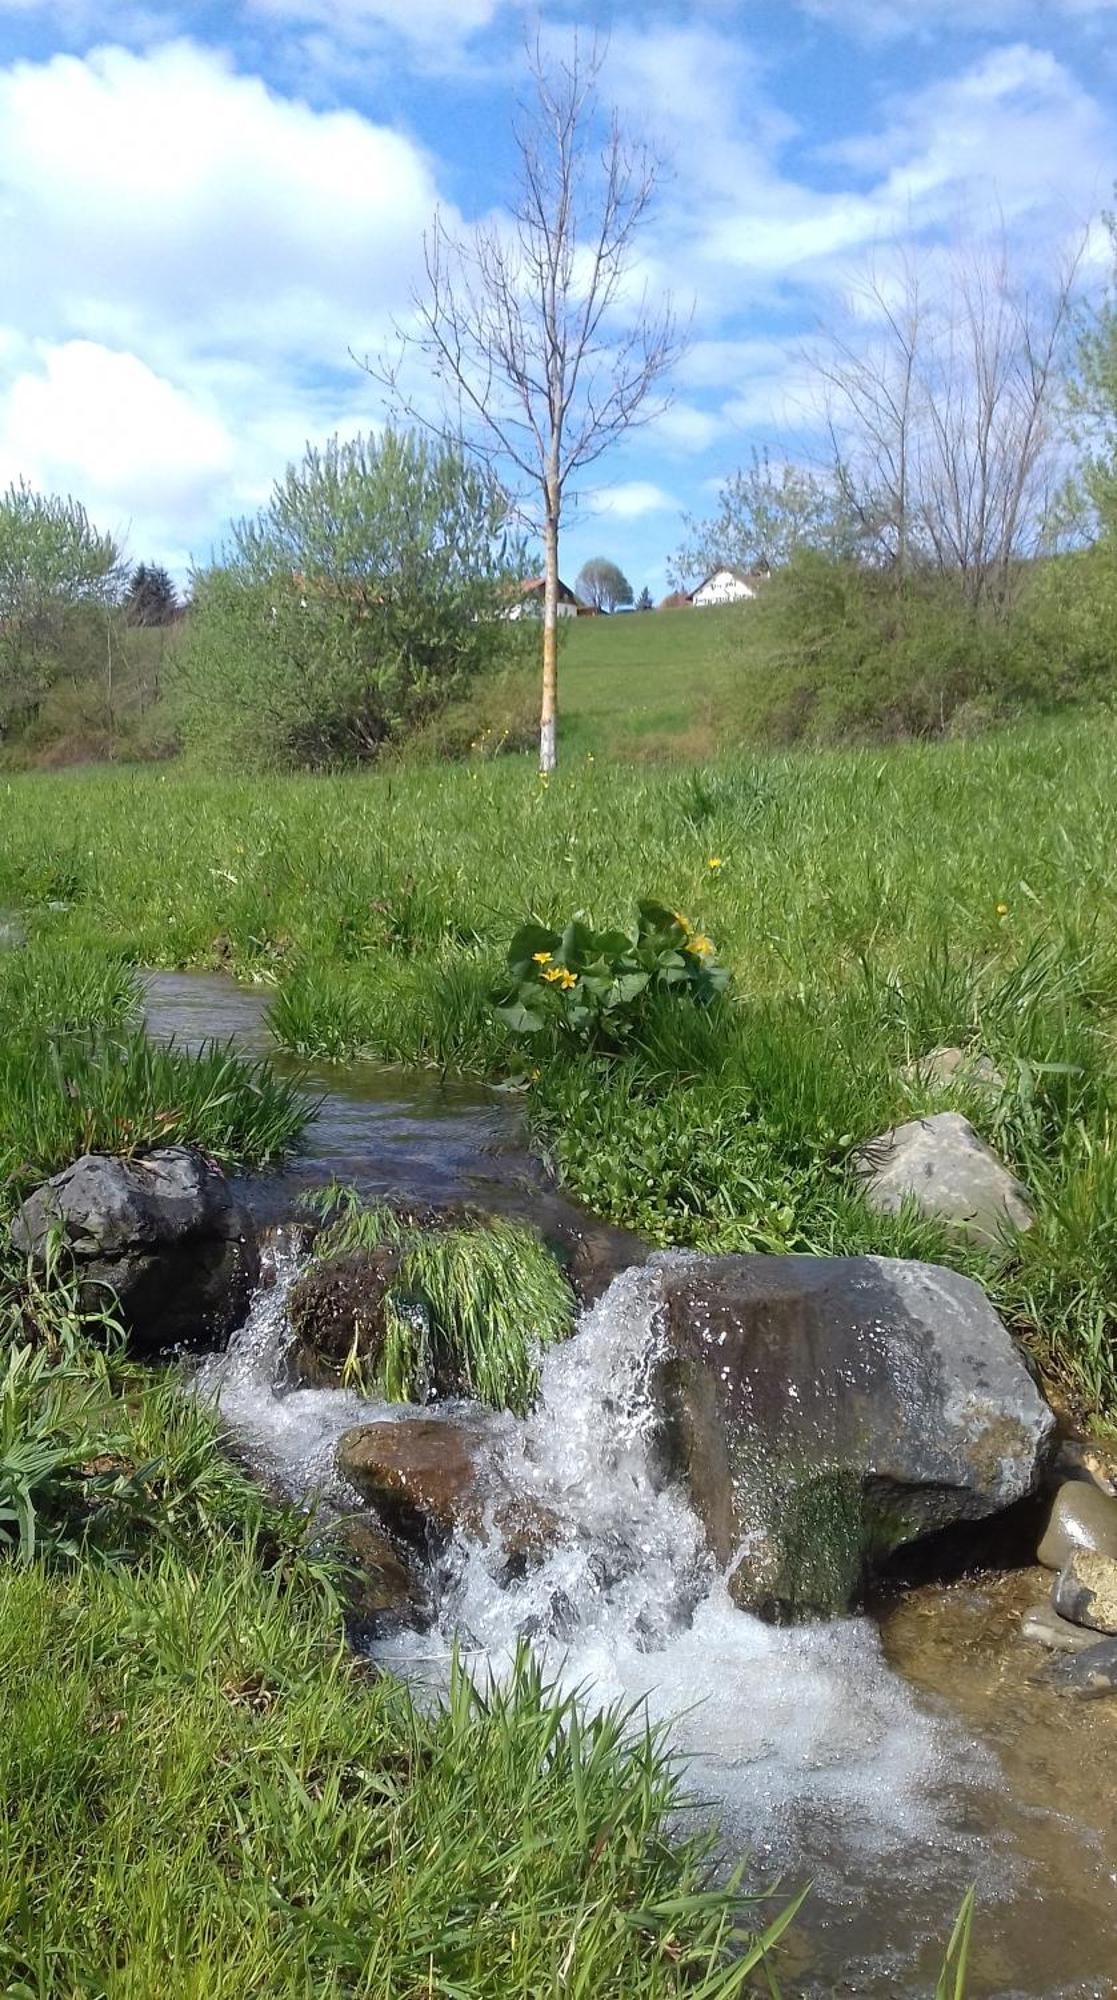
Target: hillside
650	682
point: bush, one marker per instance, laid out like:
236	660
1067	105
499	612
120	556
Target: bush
363	599
855	654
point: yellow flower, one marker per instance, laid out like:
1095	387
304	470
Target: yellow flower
541	957
1002	909
559	976
701	946
683	922
714	861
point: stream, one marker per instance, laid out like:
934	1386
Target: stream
891	1761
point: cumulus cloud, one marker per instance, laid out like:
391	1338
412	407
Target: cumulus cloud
189	257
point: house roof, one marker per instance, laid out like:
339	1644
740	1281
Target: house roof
758	575
531	584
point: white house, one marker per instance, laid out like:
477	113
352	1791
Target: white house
528	600
728	585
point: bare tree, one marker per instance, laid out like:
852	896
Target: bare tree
527	325
943	425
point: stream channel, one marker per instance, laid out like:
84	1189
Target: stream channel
891	1761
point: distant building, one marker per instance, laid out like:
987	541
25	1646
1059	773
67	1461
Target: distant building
676	600
528	600
728	585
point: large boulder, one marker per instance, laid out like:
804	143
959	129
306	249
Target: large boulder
942	1165
164	1234
826	1411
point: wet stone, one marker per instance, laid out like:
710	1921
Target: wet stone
1086	1676
1086	1591
1081	1517
336	1310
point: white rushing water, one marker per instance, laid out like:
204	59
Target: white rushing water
796	1733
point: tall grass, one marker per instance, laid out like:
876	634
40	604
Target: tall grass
469	1311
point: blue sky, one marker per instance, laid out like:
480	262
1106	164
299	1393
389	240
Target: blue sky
205	207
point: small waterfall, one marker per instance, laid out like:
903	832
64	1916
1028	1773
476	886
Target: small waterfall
788	1729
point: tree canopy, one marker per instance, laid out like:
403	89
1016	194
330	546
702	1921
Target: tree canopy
53	564
601	583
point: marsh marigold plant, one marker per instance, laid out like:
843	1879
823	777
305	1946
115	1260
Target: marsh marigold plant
591	985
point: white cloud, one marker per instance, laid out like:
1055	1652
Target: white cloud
891	19
105	426
185	244
632	498
356	22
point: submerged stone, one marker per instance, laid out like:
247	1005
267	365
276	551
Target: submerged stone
826	1411
942	1165
1047	1628
1081	1517
164	1235
1089	1675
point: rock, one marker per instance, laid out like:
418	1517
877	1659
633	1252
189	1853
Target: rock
957	1069
164	1233
12	933
941	1164
336	1310
1045	1626
385	1594
826	1411
1081	1517
1088	1675
430	1478
1086	1591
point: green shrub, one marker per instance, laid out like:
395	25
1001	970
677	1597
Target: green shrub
852	653
362	599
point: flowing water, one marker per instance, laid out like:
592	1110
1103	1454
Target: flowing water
891	1765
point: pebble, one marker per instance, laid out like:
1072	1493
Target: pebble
1081	1517
1086	1591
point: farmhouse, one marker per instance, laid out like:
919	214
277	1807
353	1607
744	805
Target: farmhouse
528	600
728	585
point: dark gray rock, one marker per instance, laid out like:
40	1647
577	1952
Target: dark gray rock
826	1411
165	1235
1081	1517
941	1164
1086	1591
1088	1675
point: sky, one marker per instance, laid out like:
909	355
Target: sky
208	209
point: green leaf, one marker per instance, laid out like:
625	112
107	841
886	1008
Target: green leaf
521	1019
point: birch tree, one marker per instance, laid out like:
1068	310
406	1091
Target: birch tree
545	352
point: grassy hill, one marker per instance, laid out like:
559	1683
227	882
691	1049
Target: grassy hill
640	685
650	682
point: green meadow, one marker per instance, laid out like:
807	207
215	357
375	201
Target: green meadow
869	905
